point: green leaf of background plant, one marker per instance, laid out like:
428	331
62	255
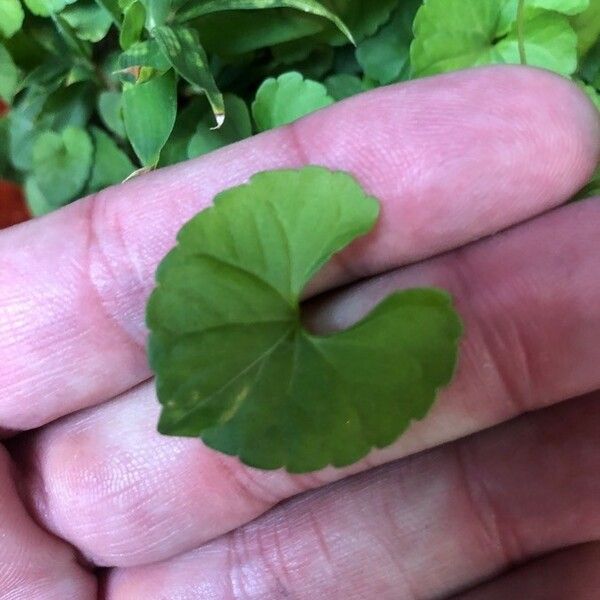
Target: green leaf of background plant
61	164
590	66
110	109
25	123
11	17
287	98
112	7
456	34
80	73
9	75
237	126
49	75
133	25
237	33
234	363
567	7
313	7
181	47
587	27
6	170
385	57
362	18
69	106
343	86
591	189
36	203
72	43
292	52
89	20
176	148
158	11
149	111
43	8
591	92
111	165
144	54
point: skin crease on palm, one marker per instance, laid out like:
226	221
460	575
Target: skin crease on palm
495	492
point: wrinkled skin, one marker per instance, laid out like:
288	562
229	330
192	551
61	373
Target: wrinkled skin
494	495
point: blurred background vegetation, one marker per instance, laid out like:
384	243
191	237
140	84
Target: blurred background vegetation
94	91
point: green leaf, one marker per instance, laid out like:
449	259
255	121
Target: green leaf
196	9
6	171
567	7
11	17
89	20
343	86
362	18
176	148
181	47
110	109
149	111
590	66
158	11
591	189
237	33
111	7
49	75
9	75
456	34
317	65
36	203
292	52
287	98
133	25
587	27
144	54
237	127
61	164
80	73
44	8
385	57
313	62
24	123
69	106
591	92
111	164
234	363
71	42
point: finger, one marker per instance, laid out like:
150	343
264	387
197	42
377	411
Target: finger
423	527
106	481
452	158
33	564
571	574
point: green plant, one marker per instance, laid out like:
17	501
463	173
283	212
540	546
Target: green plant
236	366
102	88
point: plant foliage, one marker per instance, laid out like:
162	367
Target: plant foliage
236	366
143	83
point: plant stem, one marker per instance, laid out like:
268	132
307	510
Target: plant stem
521	31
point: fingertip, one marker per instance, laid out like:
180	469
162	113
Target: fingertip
535	123
570	115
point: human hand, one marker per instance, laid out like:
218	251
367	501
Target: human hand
453	159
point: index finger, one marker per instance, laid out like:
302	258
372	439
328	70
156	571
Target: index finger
452	159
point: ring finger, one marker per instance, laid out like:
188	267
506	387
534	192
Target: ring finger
424	527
